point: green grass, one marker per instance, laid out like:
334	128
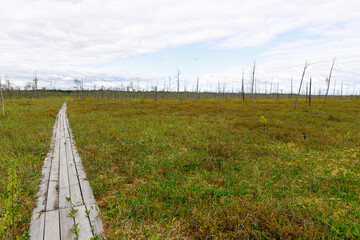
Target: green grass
218	170
25	135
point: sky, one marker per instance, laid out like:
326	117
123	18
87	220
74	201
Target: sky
112	43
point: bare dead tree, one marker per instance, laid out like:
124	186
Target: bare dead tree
155	94
2	99
197	89
341	92
265	88
178	80
291	93
169	89
35	80
77	86
82	89
302	79
310	92
242	86
252	84
328	80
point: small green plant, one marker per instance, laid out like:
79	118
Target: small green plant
96	237
87	212
76	230
68	199
262	120
73	212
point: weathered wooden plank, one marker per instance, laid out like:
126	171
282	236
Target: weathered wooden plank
95	219
52	200
43	186
66	224
52	225
64	197
64	191
84	223
37	226
79	168
76	195
88	194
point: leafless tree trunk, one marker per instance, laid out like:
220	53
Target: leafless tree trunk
178	80
341	92
252	84
302	78
197	89
291	94
328	80
310	92
155	94
242	86
2	99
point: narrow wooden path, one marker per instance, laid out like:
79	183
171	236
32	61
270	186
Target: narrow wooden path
66	207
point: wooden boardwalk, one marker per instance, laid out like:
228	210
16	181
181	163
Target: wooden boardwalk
66	207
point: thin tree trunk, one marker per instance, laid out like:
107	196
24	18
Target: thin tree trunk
178	81
328	80
252	84
2	99
310	93
242	86
302	78
341	92
291	94
155	94
197	89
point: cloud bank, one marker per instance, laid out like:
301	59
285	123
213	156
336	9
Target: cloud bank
66	39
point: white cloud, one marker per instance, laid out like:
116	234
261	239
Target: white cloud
286	61
69	38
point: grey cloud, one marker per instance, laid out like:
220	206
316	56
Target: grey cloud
74	35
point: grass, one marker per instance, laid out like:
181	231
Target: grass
25	135
224	170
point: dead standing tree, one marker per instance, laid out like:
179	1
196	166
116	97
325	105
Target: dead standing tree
242	86
302	79
2	99
252	84
35	86
291	93
328	80
197	89
310	92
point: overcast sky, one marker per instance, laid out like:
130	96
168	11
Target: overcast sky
112	43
